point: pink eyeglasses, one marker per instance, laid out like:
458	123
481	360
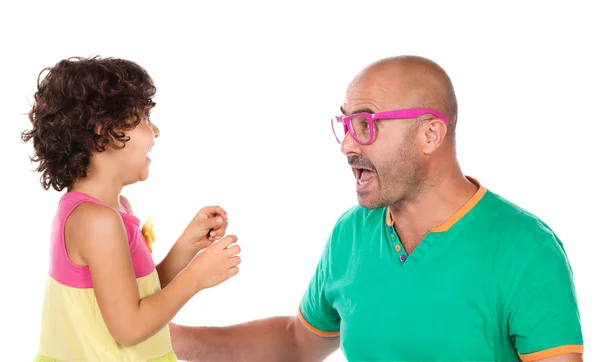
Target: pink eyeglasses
360	125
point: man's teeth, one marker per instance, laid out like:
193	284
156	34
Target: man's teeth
360	176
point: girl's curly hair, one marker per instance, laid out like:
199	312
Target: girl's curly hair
84	105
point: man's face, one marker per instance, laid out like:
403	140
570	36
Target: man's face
389	169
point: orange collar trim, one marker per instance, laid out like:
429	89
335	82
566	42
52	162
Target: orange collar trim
468	206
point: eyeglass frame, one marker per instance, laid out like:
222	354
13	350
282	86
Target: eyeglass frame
395	114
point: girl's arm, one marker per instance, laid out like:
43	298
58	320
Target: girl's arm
181	253
208	225
99	237
178	257
186	247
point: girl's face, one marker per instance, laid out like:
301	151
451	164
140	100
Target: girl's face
132	161
139	145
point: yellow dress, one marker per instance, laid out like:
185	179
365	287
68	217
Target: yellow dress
72	327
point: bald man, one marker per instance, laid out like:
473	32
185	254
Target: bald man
430	266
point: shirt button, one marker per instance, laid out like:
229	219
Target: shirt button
398	247
402	258
393	237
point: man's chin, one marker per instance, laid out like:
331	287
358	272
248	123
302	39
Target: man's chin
369	202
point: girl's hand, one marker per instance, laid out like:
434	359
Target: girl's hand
215	264
206	227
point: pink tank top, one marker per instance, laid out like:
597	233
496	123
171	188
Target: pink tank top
62	268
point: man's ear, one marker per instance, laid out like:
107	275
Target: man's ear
434	132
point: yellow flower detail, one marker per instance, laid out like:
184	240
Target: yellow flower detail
148	232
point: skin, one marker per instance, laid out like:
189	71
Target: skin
95	237
415	172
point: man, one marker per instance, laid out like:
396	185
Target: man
431	266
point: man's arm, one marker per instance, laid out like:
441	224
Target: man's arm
543	312
269	340
310	336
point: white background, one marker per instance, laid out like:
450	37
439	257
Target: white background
245	94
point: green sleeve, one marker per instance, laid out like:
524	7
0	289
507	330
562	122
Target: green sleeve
315	308
543	312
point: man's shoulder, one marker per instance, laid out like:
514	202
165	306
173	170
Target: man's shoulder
512	221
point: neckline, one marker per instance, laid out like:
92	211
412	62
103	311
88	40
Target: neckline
459	214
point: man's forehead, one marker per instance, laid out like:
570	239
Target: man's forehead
369	95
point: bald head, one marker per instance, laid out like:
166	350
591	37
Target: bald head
410	82
405	156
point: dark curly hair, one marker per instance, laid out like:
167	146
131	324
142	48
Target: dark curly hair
81	106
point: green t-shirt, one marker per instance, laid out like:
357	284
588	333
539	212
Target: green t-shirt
491	284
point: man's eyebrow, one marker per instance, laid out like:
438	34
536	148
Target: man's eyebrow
361	110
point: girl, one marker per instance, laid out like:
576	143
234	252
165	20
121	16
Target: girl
105	299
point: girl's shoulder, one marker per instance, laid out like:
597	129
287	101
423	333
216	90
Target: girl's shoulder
71	201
